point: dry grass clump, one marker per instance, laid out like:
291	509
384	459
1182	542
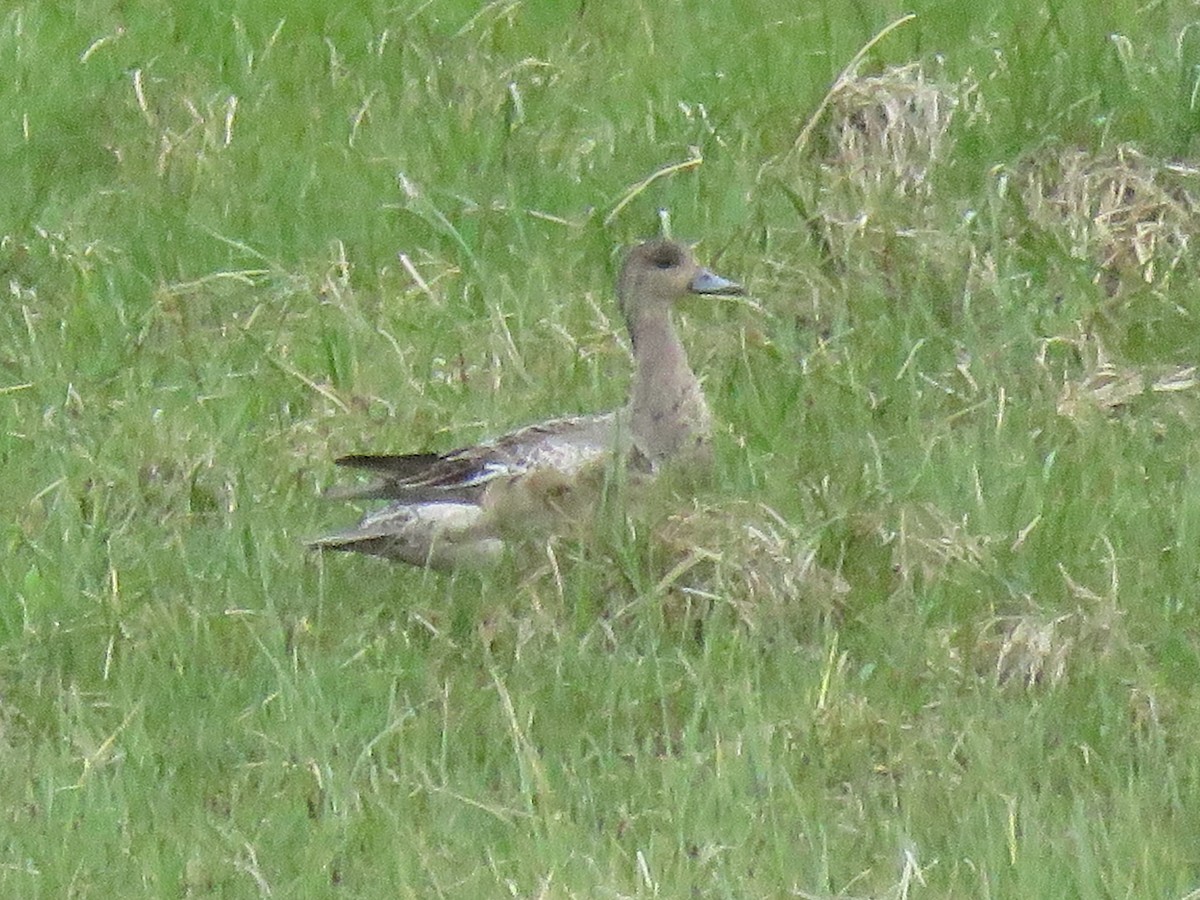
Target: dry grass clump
877	202
1037	648
862	175
738	560
928	542
1133	216
1030	649
886	132
748	557
1105	384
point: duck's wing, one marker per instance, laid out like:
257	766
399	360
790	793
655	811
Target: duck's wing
414	478
563	445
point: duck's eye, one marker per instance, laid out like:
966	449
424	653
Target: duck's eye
665	261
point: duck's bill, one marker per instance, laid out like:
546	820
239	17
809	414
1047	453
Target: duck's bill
707	282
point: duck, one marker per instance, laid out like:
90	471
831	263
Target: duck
465	508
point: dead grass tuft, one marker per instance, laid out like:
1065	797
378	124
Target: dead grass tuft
738	560
876	201
929	542
1106	385
886	132
1031	649
1133	216
749	557
1040	649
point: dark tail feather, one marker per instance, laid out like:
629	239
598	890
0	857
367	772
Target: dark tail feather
386	489
400	466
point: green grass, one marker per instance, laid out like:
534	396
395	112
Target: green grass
985	684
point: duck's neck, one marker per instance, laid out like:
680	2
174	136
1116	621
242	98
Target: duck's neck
668	414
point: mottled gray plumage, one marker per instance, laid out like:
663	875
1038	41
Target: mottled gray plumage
459	508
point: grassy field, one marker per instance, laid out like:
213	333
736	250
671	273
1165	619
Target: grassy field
933	631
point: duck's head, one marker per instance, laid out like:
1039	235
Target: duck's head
657	273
